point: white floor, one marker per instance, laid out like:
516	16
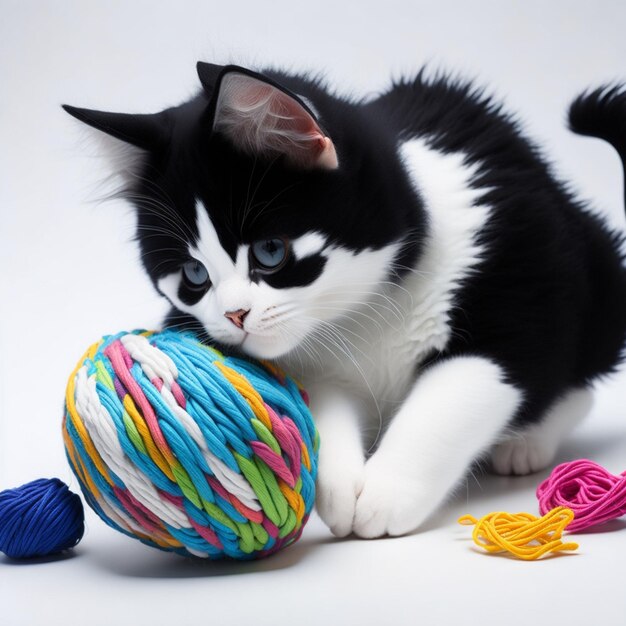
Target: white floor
69	273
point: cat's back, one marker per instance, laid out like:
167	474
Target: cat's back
534	286
457	116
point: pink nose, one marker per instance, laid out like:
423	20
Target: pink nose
237	317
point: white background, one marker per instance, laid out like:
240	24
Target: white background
70	273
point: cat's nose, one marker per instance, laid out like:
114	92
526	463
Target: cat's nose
237	317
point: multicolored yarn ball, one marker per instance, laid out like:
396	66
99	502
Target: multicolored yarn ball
188	450
40	518
594	494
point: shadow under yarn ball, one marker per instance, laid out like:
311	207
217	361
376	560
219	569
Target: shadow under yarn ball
188	450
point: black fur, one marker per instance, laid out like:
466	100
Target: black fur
600	113
548	303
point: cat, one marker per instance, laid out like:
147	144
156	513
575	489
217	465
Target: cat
409	257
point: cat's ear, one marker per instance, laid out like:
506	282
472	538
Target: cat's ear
124	141
261	117
145	131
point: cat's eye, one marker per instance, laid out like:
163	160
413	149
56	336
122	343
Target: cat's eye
195	275
269	254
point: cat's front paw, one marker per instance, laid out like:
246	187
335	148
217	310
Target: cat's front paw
338	488
389	504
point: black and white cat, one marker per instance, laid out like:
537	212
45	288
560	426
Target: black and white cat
410	258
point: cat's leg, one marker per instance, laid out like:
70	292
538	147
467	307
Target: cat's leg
341	457
455	411
533	448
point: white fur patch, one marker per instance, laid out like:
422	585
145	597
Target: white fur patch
209	250
451	252
308	244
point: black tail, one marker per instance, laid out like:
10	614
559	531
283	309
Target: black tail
602	113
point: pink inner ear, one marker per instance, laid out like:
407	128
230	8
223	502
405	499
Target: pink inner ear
261	118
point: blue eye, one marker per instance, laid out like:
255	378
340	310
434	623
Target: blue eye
269	254
195	275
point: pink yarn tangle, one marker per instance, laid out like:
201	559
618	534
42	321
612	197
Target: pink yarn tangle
594	494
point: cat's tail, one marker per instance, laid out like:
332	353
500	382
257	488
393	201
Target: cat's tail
602	113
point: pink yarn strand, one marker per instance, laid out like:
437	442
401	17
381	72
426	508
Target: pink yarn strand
594	494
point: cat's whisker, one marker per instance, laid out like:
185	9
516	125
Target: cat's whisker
366	305
166	262
250	205
279	310
246	204
286	333
352	332
158	232
344	314
267	205
393	307
333	326
165	220
309	348
161	210
343	311
150	207
335	340
154	185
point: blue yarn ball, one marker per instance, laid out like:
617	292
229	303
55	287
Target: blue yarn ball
40	518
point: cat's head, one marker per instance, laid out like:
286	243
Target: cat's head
267	209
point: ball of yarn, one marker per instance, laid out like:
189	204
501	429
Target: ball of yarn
188	450
40	518
594	495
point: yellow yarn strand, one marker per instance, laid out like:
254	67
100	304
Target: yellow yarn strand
250	394
146	437
521	534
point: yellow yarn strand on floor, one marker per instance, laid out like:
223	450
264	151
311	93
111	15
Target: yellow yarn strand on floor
521	534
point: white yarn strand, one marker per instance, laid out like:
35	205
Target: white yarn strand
103	433
154	362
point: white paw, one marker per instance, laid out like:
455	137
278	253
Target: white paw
521	455
388	505
338	488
